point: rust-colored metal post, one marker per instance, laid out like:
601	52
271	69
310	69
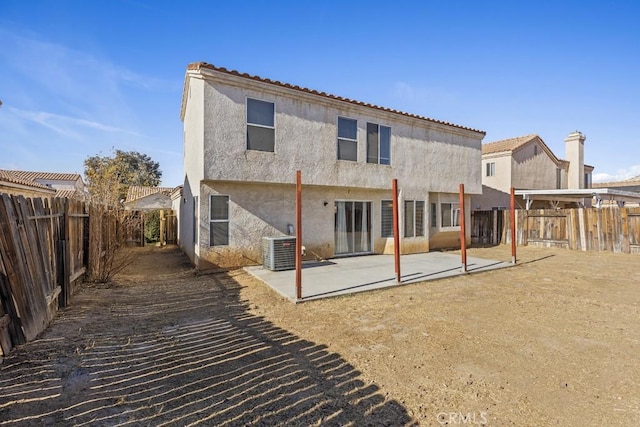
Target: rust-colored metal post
463	231
396	229
513	226
298	234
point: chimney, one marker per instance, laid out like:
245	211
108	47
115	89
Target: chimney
574	154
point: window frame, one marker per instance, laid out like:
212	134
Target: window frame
258	125
415	230
378	144
433	215
452	216
218	221
196	210
339	138
384	203
490	169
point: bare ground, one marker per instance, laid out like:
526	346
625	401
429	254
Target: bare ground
553	341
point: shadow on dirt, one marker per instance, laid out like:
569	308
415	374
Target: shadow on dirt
178	349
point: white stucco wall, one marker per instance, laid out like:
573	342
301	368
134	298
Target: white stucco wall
193	163
574	149
150	202
259	210
423	154
60	184
502	178
426	157
531	172
176	206
529	167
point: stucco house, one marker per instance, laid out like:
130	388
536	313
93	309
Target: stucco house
13	185
68	185
527	163
148	198
245	137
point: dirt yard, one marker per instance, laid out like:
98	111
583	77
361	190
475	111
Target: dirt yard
553	341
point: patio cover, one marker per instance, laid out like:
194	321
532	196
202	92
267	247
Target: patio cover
578	195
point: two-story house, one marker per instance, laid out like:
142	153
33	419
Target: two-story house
527	163
245	137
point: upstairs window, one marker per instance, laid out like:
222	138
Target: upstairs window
261	131
378	144
587	180
558	178
490	169
347	139
450	214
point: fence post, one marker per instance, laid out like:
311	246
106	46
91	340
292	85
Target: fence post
396	230
66	283
463	231
163	228
299	235
513	226
143	240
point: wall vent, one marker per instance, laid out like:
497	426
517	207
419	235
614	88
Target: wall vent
279	253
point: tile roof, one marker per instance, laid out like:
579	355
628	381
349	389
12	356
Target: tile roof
197	66
633	182
510	144
137	192
69	194
53	176
10	176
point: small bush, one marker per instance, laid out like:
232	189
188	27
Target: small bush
152	226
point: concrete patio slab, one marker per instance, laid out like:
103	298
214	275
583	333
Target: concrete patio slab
340	276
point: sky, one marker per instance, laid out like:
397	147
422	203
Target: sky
82	78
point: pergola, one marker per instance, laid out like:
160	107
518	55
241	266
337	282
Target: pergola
578	195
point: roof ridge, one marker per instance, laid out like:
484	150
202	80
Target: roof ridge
528	137
7	176
32	175
200	65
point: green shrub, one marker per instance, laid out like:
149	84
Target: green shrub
152	226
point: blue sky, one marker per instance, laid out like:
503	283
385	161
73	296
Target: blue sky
80	78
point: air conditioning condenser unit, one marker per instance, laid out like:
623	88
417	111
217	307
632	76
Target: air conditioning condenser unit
279	253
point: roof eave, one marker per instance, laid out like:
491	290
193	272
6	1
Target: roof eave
203	68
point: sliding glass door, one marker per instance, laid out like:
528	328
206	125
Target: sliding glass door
352	228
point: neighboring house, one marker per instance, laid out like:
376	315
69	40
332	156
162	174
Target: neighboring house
632	185
245	137
148	198
16	186
527	163
68	185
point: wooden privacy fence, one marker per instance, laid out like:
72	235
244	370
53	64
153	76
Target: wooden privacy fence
168	227
45	249
486	227
610	229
